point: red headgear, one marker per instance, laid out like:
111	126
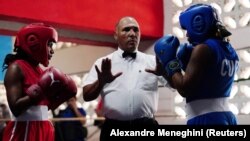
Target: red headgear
33	39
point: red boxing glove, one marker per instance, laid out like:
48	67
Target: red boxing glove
69	91
51	82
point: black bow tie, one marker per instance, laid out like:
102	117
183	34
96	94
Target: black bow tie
129	54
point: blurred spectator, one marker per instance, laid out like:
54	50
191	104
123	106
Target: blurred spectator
98	110
71	130
4	114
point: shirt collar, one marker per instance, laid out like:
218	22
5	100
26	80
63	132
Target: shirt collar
120	51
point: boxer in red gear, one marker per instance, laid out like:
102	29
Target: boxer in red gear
29	103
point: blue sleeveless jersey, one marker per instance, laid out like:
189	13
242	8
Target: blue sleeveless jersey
218	79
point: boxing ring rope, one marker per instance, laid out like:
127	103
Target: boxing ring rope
84	118
95	131
100	118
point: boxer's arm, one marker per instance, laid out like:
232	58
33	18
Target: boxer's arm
17	101
199	62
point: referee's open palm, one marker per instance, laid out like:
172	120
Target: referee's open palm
105	75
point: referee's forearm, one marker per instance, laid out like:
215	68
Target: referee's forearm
92	91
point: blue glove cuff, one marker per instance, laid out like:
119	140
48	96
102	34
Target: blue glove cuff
172	67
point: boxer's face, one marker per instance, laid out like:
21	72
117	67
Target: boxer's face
128	34
51	45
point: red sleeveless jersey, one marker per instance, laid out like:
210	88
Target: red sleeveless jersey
30	129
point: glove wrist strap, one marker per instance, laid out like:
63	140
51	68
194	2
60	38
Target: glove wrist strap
172	67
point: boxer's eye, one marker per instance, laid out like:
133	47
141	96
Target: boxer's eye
51	44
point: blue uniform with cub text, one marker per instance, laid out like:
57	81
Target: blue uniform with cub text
216	86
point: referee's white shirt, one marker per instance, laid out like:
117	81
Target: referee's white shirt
132	95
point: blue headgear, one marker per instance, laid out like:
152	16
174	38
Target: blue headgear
199	20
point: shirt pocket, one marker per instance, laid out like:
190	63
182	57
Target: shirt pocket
147	81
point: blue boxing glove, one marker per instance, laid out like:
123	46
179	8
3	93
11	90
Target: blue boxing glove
184	53
165	49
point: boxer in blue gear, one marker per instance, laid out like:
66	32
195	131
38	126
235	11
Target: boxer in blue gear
210	68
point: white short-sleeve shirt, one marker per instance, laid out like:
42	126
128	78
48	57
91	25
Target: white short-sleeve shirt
132	95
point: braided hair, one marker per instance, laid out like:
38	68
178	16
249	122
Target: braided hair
9	58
